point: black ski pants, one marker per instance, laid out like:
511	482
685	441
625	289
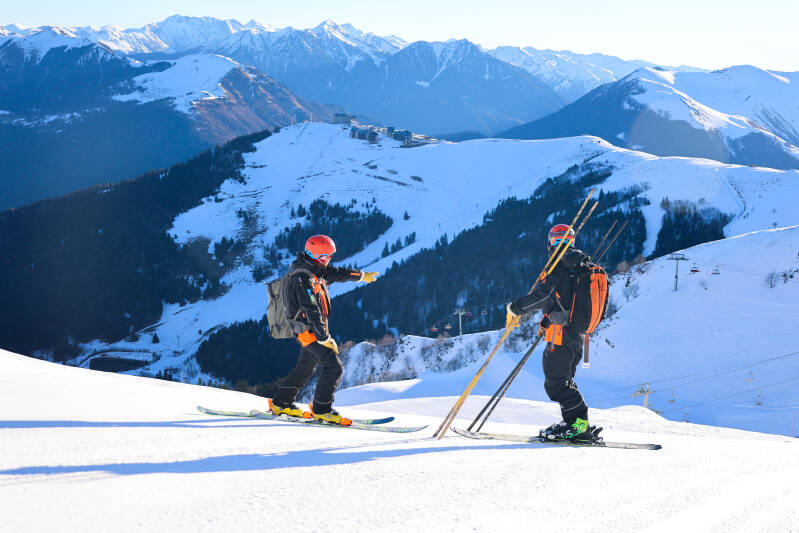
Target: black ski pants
560	364
311	356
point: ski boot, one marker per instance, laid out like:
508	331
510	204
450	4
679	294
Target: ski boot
288	410
579	430
554	428
331	417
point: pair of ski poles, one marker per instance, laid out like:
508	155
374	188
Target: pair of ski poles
551	263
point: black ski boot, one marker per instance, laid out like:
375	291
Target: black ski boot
578	431
554	428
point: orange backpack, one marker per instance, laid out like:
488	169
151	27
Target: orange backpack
590	301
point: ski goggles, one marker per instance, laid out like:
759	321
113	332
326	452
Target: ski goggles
320	257
557	240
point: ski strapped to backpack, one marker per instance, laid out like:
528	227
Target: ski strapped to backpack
281	325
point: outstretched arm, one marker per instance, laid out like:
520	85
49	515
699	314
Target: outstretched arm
334	274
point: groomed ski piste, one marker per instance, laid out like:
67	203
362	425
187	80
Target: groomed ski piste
91	451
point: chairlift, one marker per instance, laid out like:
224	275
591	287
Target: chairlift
434	329
448	326
694	269
467	313
484	312
715	271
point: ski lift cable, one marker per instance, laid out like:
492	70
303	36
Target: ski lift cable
711	376
732	395
741	270
449	316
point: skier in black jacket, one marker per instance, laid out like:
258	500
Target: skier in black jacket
309	300
564	345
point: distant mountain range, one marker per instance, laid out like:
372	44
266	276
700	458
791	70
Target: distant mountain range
89	105
427	87
572	75
75	113
741	115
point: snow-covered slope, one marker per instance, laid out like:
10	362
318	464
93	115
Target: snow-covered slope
190	79
444	190
90	451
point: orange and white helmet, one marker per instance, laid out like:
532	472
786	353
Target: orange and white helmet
320	249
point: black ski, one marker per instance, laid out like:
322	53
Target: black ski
542	440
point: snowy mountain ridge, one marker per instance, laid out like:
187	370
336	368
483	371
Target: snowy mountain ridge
742	115
770	99
38	42
571	75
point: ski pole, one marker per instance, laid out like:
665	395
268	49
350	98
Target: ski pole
453	412
613	240
506	385
494	397
604	238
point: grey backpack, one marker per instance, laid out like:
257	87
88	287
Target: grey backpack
282	326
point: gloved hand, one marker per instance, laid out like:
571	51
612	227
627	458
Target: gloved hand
329	342
511	318
369	277
545	322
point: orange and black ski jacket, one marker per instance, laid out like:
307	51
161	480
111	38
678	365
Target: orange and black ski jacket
557	287
308	293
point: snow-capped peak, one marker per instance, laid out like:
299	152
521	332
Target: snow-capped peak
765	98
16	28
39	41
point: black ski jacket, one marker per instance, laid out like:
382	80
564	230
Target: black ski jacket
311	297
559	285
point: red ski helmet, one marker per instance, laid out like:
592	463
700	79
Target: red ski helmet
560	232
320	249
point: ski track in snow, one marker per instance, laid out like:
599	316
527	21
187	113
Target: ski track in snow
92	451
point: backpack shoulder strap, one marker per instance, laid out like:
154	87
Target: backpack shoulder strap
285	288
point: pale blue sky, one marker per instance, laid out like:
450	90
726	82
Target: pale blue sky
703	33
